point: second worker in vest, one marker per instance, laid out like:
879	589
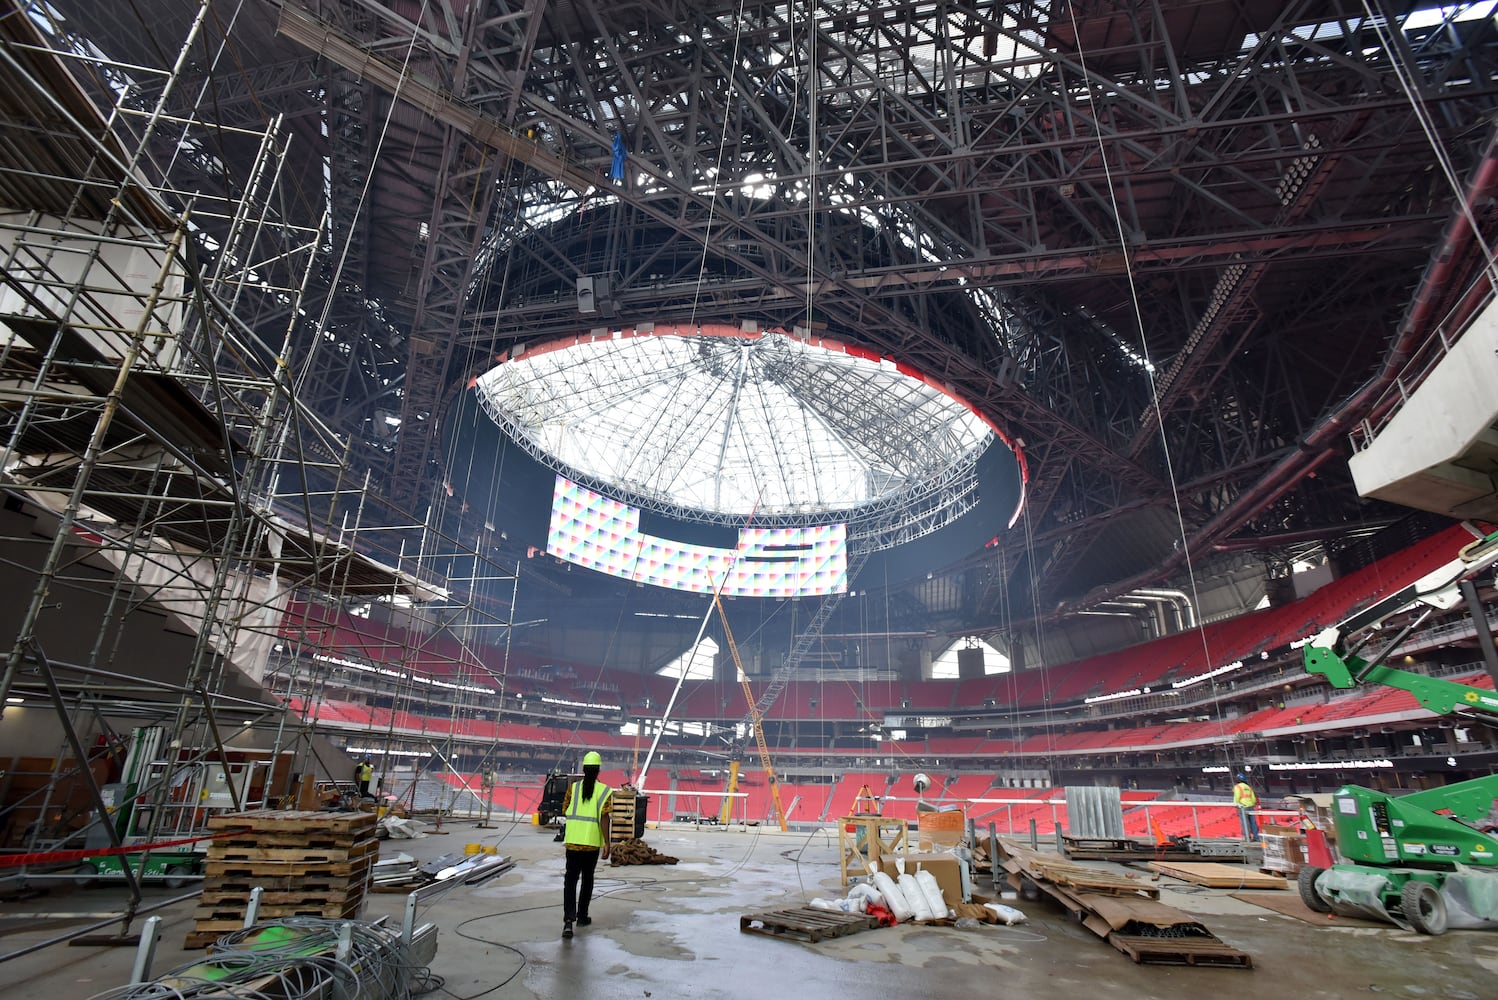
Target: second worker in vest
1247	800
586	809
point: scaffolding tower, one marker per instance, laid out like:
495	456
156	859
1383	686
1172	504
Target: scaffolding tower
166	492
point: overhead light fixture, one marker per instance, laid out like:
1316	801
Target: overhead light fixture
15	699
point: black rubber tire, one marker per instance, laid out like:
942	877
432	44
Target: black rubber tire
87	875
1423	906
1306	882
173	876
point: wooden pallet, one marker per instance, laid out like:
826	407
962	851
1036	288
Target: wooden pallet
1214	875
1123	849
200	939
237	869
288	883
805	923
621	815
314	839
296	821
300	853
210	917
222	898
1209	951
1081	878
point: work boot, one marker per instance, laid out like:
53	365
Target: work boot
584	920
566	928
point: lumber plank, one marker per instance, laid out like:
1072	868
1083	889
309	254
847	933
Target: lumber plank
1215	875
1135	923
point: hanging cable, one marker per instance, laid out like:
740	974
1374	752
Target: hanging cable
1144	346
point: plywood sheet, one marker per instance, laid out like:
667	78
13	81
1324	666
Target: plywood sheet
1214	875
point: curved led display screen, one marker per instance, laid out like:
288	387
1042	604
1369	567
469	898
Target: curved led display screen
588	529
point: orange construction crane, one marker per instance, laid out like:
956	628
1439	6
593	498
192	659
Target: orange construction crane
754	717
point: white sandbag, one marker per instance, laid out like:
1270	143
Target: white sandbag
853	904
894	899
1007	915
916	898
934	897
868	892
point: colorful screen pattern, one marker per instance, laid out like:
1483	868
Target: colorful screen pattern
590	530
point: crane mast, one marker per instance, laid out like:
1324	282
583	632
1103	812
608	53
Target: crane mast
755	719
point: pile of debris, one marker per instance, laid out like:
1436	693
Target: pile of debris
637	852
393	827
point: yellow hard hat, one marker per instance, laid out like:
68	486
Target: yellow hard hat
592	757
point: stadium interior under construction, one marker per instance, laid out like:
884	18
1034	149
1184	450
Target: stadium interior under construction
992	480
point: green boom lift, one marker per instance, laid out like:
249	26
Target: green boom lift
1429	859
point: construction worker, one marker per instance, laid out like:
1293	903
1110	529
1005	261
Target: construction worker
586	809
364	774
1247	801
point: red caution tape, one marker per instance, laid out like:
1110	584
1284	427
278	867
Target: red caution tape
52	857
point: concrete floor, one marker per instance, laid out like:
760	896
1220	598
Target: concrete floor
672	932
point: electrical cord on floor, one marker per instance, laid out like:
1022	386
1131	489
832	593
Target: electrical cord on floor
292	956
797	859
458	930
427	982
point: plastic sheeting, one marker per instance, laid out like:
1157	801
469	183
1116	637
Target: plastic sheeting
1471	897
1470	894
1355	893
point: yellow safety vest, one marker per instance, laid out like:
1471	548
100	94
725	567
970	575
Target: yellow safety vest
1244	796
365	772
583	827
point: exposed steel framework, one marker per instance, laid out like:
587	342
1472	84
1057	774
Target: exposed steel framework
1172	246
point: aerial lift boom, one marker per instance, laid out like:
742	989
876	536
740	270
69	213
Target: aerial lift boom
1415	859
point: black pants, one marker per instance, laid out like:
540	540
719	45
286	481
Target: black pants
575	898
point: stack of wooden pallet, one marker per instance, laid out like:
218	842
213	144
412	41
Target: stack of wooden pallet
622	815
314	864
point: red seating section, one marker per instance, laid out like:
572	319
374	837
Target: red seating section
343	642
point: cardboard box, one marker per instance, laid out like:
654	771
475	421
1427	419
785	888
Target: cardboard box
1284	850
945	868
1318	808
941	829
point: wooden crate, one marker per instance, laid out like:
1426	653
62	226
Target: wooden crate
864	840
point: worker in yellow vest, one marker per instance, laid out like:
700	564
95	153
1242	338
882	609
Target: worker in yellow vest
364	774
586	808
1247	800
